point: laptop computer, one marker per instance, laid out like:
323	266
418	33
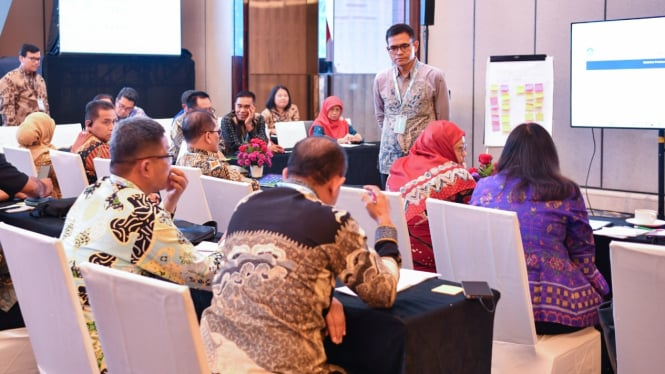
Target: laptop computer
290	133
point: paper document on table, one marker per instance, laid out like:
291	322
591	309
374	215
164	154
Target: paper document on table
407	278
597	224
349	145
620	232
206	247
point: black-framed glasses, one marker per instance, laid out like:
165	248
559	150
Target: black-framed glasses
218	131
170	156
400	47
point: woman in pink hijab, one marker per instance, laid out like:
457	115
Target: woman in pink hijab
35	134
330	123
434	167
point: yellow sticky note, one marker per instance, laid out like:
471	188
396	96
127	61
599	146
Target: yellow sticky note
447	289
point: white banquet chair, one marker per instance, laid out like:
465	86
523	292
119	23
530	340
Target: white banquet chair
638	278
16	354
159	334
223	195
49	302
482	244
350	199
22	160
102	167
69	169
193	205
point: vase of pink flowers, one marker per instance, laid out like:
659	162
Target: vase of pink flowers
255	155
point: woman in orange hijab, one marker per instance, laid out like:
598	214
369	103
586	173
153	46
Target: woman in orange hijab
35	134
330	123
434	167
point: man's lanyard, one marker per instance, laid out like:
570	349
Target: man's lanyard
401	100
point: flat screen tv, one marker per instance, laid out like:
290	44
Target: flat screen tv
130	27
617	73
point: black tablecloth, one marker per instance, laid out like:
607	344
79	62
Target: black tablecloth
603	247
424	332
50	226
363	164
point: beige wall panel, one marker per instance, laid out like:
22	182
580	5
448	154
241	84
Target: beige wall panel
630	160
355	90
575	146
27	22
451	50
501	28
193	36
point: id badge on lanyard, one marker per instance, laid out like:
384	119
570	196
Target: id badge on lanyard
400	120
40	104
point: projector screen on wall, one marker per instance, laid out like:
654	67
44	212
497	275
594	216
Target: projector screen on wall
617	74
146	27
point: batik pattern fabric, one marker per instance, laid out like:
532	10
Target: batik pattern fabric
272	115
235	133
91	148
277	281
113	223
559	249
214	165
427	100
19	94
449	182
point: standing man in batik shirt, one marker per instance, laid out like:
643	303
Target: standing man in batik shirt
284	248
202	134
93	141
407	97
114	223
23	90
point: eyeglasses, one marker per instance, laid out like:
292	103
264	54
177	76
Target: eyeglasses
401	47
461	148
218	131
170	156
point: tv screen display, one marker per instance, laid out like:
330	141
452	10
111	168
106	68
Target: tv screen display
145	27
617	74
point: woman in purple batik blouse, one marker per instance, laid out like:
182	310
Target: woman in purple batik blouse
566	287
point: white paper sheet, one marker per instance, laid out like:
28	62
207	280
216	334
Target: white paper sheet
407	278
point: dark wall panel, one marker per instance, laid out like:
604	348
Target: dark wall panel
72	80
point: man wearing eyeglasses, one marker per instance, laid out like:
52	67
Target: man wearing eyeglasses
23	90
202	134
125	104
114	222
407	97
196	100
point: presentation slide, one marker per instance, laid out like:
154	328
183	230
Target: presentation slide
146	27
618	74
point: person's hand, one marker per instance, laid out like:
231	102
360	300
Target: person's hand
80	139
377	205
249	121
276	148
175	186
345	140
47	187
336	321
